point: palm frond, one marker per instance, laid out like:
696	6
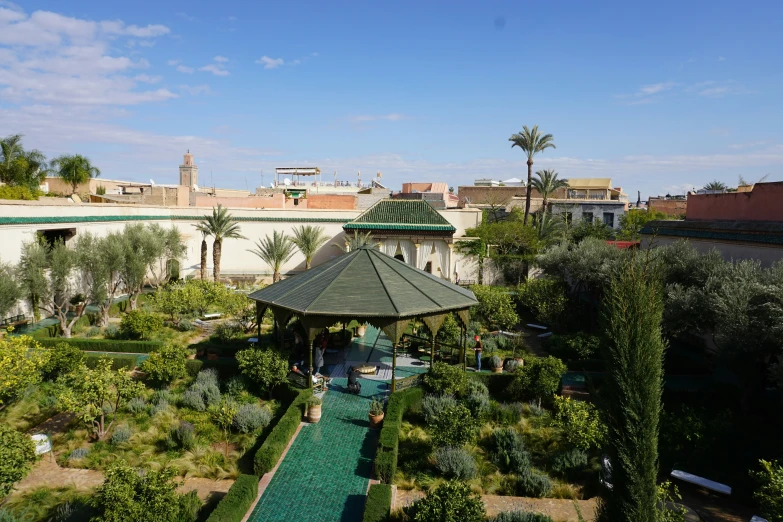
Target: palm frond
357	241
275	251
221	225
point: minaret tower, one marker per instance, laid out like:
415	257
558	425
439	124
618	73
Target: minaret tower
188	172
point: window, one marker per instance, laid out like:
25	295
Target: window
609	219
428	267
587	216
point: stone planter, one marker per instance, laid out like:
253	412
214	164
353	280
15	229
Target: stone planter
497	370
314	413
520	360
375	420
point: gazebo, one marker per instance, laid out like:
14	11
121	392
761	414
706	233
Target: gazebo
369	286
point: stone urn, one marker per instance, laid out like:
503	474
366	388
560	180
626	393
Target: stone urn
361	330
496	364
376	414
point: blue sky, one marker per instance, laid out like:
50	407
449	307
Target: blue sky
662	98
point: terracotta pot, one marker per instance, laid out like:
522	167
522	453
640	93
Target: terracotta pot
375	420
314	413
361	330
520	360
497	370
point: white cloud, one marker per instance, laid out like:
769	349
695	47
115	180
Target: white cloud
655	88
187	17
221	59
715	89
721	59
215	69
296	62
313	54
185	69
270	63
147	43
380	117
173	62
147	79
749	145
232	18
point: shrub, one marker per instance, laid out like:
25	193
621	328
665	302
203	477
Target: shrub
185	326
546	298
455	463
505	414
569	461
476	388
236	503
112	331
582	428
535	409
533	484
511	365
444	379
140	324
270	451
92	331
478	405
378	503
451	501
520	516
79	453
495	362
19	192
165	365
63	358
208	376
226	332
539	379
163	395
106	345
576	346
235	386
770	492
453	426
182	437
433	405
251	417
17	452
189	506
210	393
509	451
496	308
266	367
121	434
194	400
399	403
137	405
159	407
118	362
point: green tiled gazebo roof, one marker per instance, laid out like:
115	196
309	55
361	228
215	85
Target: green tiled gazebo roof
365	283
401	214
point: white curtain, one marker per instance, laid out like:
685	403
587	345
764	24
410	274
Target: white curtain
389	247
442	250
408	251
425	249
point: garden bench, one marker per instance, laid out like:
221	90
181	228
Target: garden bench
207	317
701	481
300	381
537	326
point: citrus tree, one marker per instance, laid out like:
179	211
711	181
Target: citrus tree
17	452
22	360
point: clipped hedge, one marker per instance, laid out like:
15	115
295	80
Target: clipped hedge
378	504
234	506
226	368
273	447
105	345
389	440
126	362
496	383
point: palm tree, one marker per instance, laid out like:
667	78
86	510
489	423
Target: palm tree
308	239
531	142
20	167
547	183
275	251
715	185
220	225
75	169
201	227
357	241
549	229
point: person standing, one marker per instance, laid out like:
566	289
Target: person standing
478	348
318	359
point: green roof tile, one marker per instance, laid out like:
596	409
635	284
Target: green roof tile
365	283
401	214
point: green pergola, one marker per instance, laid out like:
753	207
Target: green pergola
370	287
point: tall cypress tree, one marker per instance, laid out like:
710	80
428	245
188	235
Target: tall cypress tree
632	312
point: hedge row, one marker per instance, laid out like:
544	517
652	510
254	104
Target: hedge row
378	504
496	383
273	447
126	362
388	446
234	506
106	345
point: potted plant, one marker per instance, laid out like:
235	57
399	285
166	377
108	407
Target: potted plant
361	330
314	409
376	413
496	364
511	365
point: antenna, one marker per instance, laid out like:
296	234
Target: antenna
246	187
211	182
262	178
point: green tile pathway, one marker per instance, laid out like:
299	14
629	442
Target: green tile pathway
324	475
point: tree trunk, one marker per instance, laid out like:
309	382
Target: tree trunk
133	299
216	247
275	276
529	188
203	259
308	262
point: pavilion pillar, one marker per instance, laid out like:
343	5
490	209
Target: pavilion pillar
394	331
416	247
434	323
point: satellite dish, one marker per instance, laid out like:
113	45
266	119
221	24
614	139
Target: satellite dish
152	181
286	182
272	185
195	187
